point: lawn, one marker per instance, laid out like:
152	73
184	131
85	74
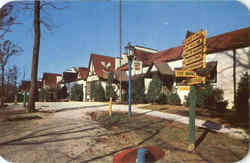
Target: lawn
228	118
172	137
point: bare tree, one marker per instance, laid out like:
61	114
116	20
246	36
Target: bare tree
38	20
35	58
7	50
11	88
7	19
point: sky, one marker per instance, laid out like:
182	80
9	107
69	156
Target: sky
85	27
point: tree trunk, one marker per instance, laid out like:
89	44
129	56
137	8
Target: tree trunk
2	86
35	58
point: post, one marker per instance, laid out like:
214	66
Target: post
192	104
24	98
141	155
110	106
129	87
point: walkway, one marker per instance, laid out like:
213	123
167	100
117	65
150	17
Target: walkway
97	106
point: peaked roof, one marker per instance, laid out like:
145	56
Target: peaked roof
235	39
50	79
25	85
102	64
69	76
163	68
83	72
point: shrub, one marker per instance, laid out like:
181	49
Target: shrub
62	93
43	95
109	88
162	99
137	91
173	99
77	92
154	90
209	97
242	97
97	92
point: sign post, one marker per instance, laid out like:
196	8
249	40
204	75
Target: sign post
192	104
194	58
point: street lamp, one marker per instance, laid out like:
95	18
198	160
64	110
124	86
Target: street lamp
130	54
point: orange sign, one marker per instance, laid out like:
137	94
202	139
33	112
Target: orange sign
197	80
185	73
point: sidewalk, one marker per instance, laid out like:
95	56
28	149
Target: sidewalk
98	106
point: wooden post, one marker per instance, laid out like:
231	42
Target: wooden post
192	104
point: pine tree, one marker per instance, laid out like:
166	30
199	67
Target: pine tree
154	90
109	89
137	92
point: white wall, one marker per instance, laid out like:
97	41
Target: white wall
146	83
224	70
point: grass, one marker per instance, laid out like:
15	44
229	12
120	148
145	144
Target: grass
228	118
172	137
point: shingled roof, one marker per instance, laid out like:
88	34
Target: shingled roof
50	79
102	64
83	72
235	39
25	85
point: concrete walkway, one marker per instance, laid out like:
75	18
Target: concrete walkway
97	106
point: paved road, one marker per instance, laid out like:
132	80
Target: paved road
97	106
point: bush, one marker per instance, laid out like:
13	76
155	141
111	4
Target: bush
209	97
77	92
43	95
109	88
97	92
137	91
154	90
242	97
173	99
162	99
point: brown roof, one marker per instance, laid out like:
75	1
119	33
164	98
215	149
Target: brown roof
50	79
83	72
163	68
123	67
226	41
25	85
69	76
102	64
143	56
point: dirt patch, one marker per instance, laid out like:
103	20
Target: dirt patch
172	137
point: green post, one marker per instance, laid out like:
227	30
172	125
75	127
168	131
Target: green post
24	98
192	104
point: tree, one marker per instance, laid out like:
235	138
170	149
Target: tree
154	89
242	97
11	89
77	92
36	47
7	50
35	58
137	91
109	88
6	19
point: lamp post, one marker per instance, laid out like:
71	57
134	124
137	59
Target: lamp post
130	54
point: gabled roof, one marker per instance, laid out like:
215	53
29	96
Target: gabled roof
50	78
69	77
143	56
25	85
163	68
102	64
83	72
235	39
